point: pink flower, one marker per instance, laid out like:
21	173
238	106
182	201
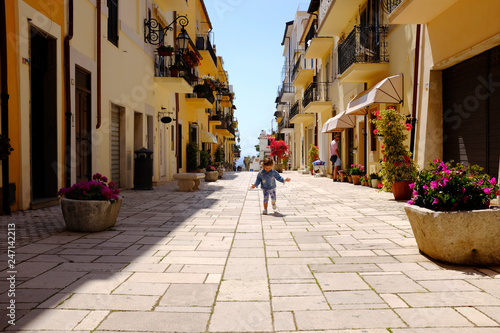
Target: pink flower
487	190
434	184
410	202
493	181
408	127
415	192
375	131
382	147
412	185
436	201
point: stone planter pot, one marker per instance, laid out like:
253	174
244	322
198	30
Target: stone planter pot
278	167
374	183
401	190
211	176
89	215
464	237
355	179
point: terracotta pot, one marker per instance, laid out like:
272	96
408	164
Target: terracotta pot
355	179
463	237
89	215
349	179
401	190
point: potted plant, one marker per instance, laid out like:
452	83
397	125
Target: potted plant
280	151
356	171
165	50
90	206
364	180
374	180
211	173
191	156
342	175
175	69
451	216
398	168
313	156
219	158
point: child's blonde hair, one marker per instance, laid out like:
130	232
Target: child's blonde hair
267	161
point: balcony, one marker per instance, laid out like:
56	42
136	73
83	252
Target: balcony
317	47
303	71
296	117
285	126
334	16
224	128
170	79
416	11
206	50
286	93
172	5
317	98
363	54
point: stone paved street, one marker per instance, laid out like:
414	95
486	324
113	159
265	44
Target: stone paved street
337	258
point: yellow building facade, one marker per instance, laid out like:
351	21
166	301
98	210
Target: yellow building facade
435	53
89	90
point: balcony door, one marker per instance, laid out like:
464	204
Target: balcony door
83	144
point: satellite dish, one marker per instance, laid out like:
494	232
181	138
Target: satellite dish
166	120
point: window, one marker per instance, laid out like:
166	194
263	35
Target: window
113	21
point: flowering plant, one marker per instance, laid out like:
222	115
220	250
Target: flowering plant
96	189
279	149
448	188
210	168
357	169
363	179
313	156
397	164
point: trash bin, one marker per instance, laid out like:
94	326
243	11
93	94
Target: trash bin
143	169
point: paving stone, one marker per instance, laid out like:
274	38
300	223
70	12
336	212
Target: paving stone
185	295
347	319
433	317
242	290
241	317
340	281
155	322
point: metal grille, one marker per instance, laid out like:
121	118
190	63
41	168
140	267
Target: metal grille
364	45
113	21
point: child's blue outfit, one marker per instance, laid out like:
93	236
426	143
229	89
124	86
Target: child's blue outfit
267	181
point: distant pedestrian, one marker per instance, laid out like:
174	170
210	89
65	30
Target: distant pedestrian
266	178
335	156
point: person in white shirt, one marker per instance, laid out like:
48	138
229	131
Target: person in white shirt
335	156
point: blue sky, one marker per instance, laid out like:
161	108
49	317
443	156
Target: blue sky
248	36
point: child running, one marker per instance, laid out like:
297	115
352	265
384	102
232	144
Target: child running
267	179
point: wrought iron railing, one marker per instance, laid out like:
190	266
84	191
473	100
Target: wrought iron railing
316	92
285	123
294	110
203	43
363	45
286	88
391	5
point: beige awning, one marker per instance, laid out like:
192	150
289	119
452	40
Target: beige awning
389	90
339	123
207	137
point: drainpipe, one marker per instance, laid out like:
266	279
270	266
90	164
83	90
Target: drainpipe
5	106
67	92
98	55
415	92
